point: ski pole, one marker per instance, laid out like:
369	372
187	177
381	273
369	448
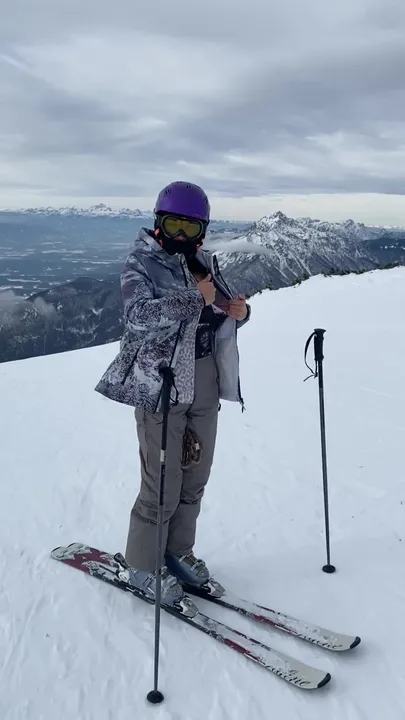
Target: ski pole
156	696
318	336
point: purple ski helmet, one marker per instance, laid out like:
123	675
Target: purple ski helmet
184	198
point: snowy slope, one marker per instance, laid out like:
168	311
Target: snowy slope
75	649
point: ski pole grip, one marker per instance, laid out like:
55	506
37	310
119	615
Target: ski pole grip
318	344
168	382
167	375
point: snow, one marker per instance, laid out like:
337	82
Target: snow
75	649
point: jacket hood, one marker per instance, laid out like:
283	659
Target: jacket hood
146	241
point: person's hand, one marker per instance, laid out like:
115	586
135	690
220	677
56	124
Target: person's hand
238	308
207	289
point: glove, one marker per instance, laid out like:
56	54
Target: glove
191	449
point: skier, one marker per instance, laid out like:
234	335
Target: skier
178	311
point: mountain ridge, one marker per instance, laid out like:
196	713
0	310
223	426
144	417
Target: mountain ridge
98	210
277	249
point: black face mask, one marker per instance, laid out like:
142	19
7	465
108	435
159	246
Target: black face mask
173	246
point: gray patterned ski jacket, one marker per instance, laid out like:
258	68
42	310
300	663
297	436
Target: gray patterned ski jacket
162	307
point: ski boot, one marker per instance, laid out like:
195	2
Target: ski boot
193	574
172	594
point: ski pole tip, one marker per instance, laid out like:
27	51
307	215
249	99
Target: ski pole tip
155	697
329	569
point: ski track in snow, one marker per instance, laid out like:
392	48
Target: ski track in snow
74	648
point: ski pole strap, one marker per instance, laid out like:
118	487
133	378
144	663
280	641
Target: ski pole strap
318	336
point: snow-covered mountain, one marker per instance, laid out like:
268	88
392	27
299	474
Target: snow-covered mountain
70	472
277	249
349	229
99	210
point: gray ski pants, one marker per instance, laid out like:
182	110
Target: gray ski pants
184	489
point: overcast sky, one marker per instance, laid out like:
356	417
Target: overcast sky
294	104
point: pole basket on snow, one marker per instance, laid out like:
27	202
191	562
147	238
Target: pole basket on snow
318	337
155	696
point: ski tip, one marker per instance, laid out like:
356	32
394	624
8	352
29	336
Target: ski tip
325	680
55	550
355	642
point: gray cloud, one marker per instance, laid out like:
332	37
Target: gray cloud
247	99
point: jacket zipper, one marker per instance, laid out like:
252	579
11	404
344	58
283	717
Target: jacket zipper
184	274
219	274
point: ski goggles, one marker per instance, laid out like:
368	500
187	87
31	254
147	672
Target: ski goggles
173	225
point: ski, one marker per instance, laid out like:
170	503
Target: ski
315	634
106	567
